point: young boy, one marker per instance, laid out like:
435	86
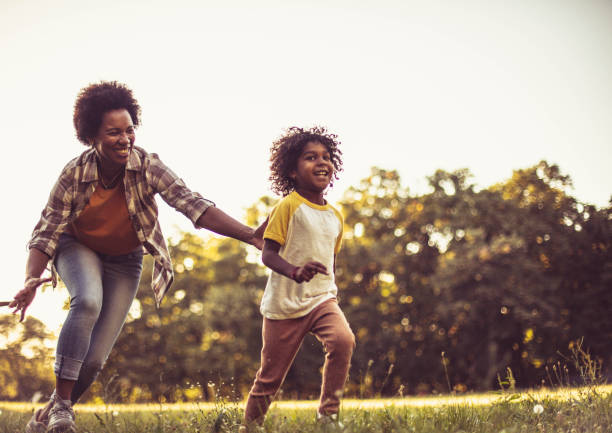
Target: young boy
300	245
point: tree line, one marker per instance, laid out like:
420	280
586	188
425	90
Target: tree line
452	290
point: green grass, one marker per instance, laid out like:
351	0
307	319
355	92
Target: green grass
563	410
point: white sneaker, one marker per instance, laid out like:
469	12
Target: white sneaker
36	426
61	417
251	428
330	420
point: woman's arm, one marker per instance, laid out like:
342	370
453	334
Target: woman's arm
299	274
200	211
56	214
214	219
35	266
43	243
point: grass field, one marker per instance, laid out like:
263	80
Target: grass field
568	410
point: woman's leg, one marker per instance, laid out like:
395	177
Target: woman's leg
91	326
81	270
332	329
120	281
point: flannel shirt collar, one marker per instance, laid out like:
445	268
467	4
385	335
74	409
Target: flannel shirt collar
135	159
90	164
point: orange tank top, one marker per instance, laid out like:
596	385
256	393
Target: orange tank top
104	224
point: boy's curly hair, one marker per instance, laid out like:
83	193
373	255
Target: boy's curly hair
286	150
95	100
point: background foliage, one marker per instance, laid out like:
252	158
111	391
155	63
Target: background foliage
459	281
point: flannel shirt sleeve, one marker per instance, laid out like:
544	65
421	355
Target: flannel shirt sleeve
54	217
173	190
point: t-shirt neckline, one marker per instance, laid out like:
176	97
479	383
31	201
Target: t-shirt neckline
311	204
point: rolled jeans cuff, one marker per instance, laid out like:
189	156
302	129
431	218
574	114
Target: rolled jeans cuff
67	368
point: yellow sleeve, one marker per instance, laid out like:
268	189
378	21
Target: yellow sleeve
339	240
279	222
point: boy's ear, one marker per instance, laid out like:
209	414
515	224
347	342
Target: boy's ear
292	175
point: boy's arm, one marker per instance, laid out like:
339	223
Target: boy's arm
299	274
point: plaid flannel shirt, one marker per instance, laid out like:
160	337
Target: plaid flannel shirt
145	176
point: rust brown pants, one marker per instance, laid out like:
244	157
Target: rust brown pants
281	342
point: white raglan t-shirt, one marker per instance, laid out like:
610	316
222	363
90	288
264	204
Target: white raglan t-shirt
306	231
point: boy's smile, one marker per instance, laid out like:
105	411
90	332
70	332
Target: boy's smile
313	173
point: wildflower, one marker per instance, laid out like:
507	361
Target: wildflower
37	396
538	409
115	413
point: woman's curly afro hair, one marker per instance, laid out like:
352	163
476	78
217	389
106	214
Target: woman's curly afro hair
287	149
95	100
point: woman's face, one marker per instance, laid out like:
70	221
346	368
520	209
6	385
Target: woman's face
115	137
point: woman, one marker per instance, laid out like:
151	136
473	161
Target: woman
100	218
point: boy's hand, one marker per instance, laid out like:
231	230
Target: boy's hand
308	271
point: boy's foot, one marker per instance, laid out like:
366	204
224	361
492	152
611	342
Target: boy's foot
251	428
36	423
61	417
330	421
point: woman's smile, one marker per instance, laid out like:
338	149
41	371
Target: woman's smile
115	137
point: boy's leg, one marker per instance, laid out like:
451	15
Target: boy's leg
332	329
281	341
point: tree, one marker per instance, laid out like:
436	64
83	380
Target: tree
500	277
512	272
25	369
207	331
384	274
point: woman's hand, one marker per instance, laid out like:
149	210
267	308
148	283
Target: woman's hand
257	243
257	239
24	297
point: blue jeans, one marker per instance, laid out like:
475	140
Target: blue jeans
102	289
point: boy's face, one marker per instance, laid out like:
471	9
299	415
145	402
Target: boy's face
314	168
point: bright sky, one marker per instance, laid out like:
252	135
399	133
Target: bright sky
408	85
